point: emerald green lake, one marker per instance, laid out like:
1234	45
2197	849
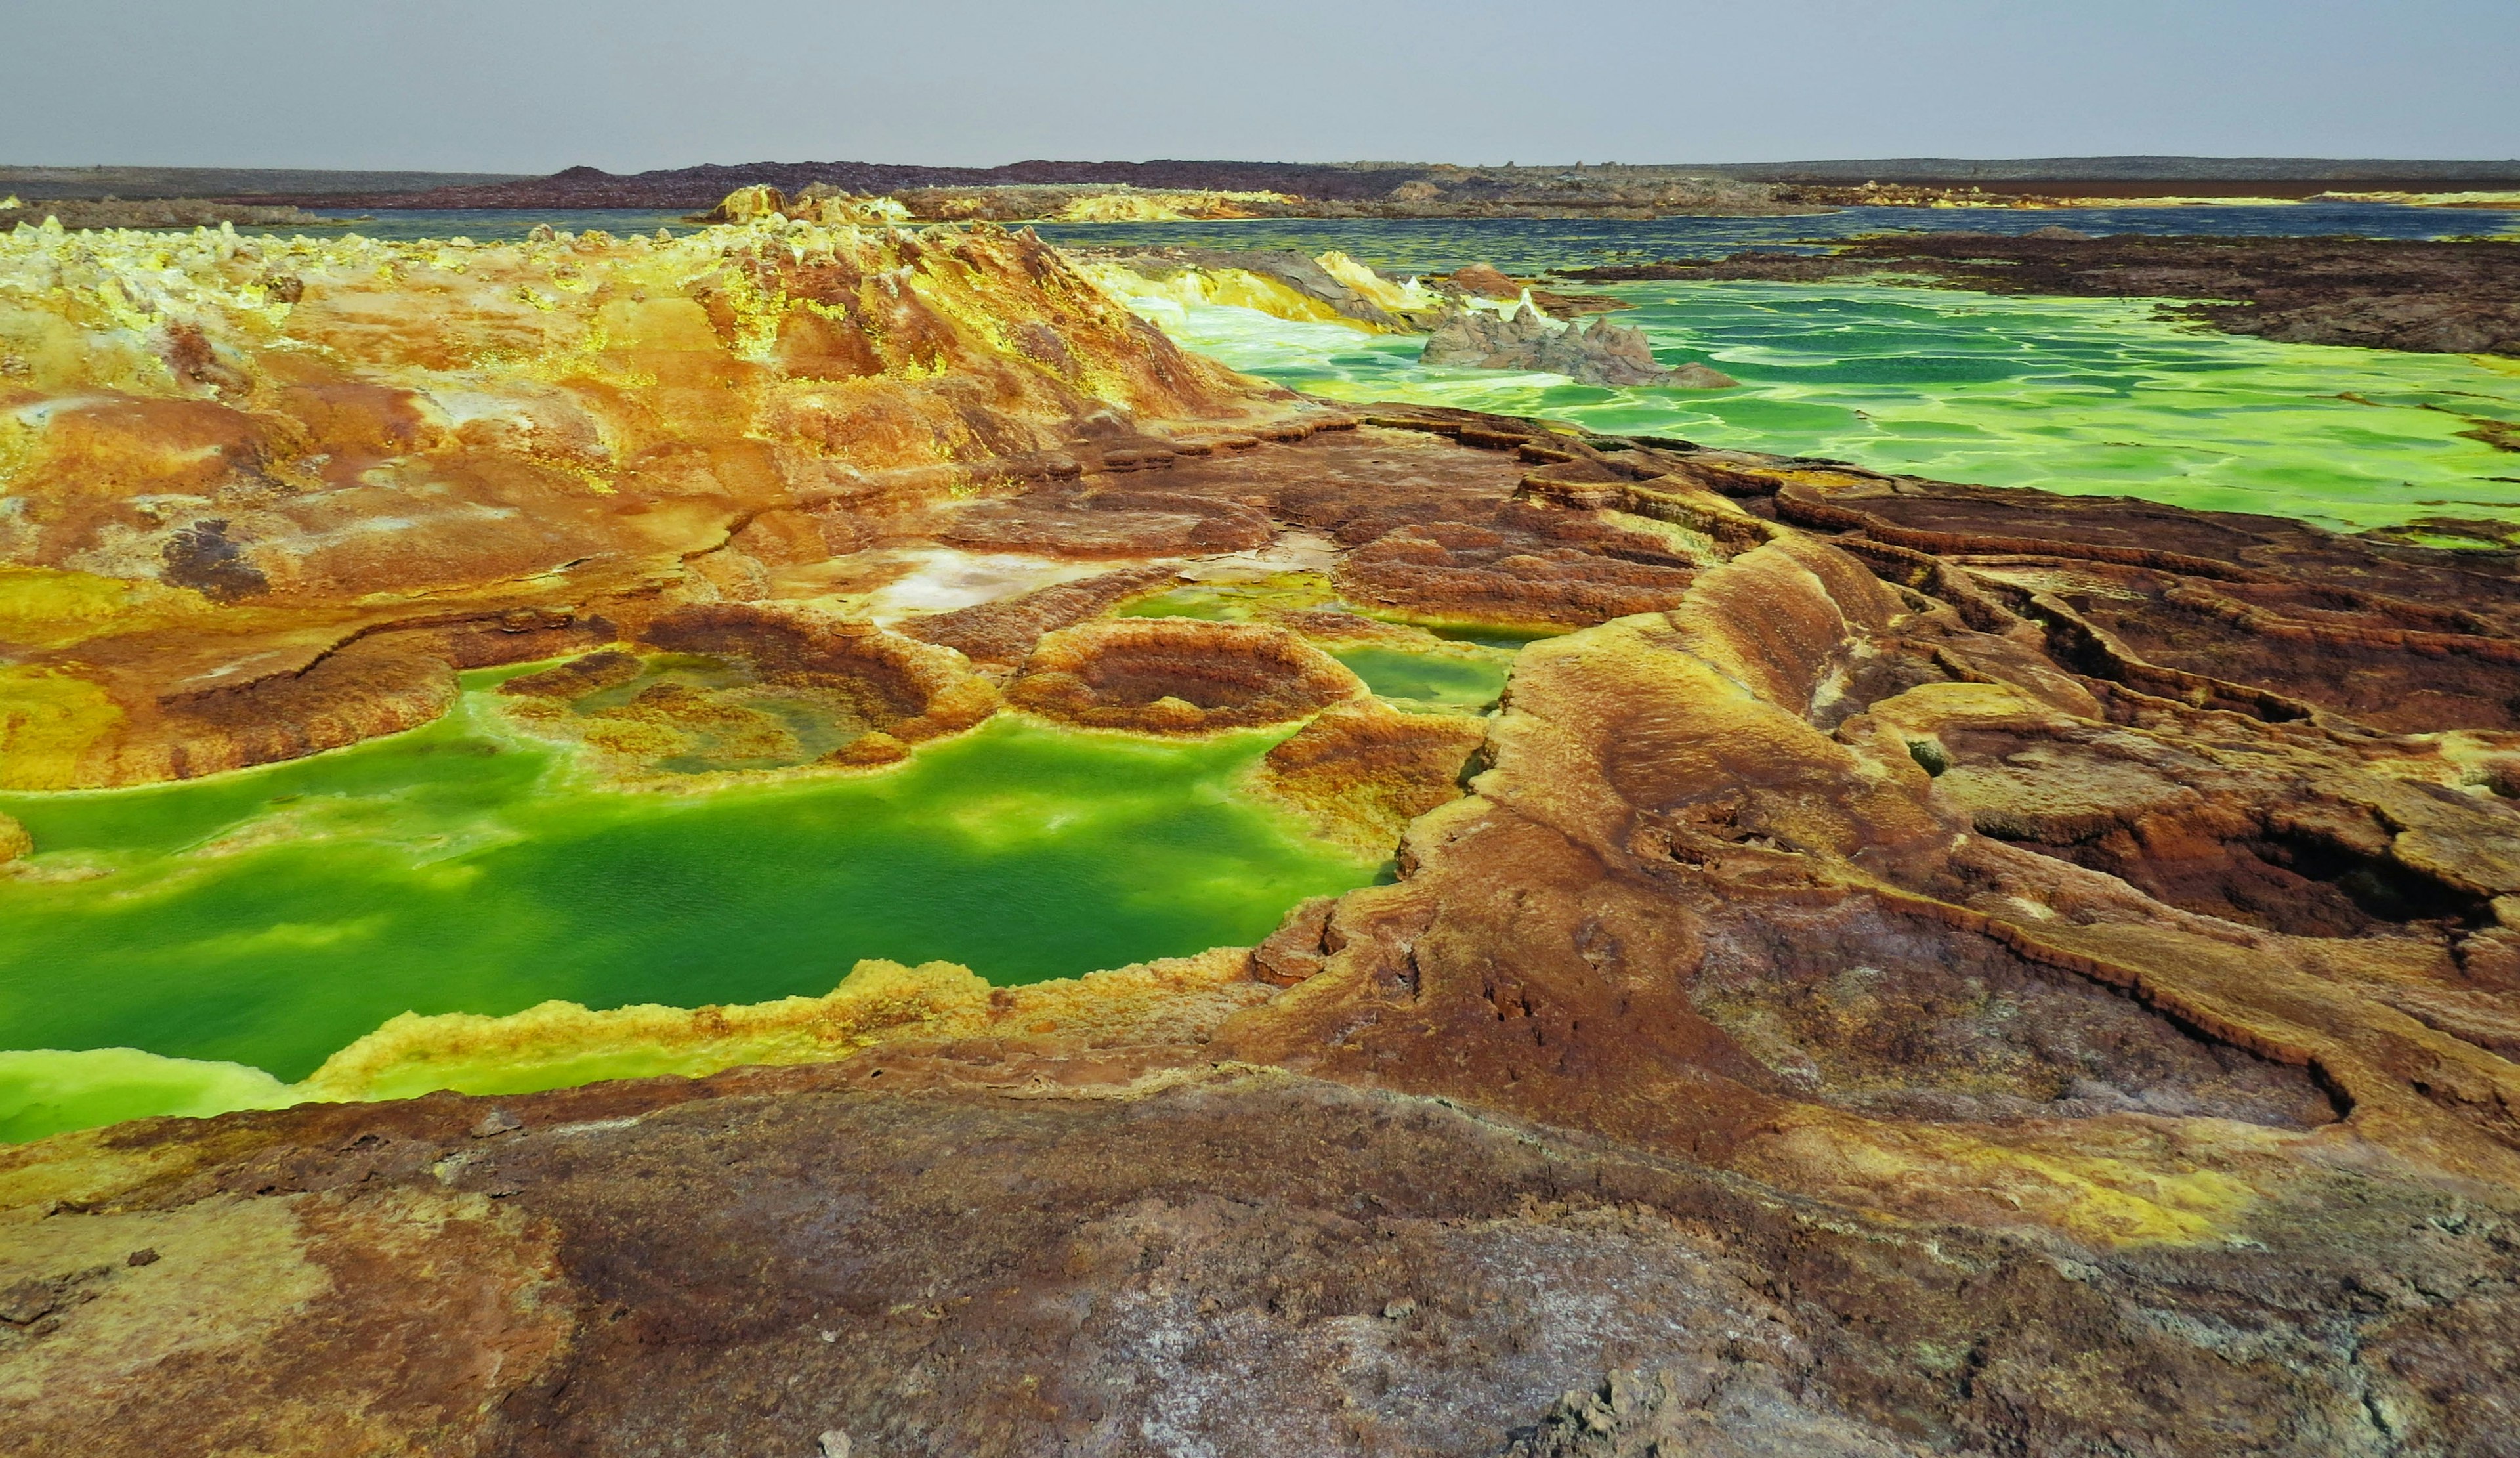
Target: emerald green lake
270	917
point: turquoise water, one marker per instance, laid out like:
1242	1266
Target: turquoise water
2083	397
269	918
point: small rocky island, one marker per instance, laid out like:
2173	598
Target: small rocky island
1601	353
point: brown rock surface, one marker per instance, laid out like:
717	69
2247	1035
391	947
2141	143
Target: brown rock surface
1369	771
749	687
1178	675
1004	632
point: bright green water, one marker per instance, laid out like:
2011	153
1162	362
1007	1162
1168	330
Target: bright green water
2084	396
1445	680
1470	676
268	918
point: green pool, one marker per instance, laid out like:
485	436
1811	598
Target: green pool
270	917
2083	397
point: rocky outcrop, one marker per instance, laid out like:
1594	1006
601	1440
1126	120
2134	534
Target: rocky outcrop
1178	675
1598	353
1332	287
1003	633
774	686
1367	771
1109	518
156	212
254	484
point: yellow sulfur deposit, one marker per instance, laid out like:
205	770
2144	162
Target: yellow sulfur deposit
224	458
560	1044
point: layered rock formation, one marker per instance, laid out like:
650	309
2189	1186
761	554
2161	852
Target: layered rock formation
1919	969
750	688
1179	675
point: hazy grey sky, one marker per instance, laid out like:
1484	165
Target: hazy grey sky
536	86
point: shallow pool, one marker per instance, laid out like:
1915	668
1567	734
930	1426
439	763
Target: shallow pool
268	918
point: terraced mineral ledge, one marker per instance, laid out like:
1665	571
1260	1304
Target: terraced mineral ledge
1889	968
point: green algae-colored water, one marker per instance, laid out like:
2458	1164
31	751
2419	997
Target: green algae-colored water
1463	680
2082	396
270	917
1469	676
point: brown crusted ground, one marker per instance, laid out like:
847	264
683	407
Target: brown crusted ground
1943	981
2458	297
1371	770
1179	675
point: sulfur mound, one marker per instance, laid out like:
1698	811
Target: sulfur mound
265	494
1178	675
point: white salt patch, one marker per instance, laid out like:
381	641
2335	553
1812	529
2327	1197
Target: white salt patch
941	579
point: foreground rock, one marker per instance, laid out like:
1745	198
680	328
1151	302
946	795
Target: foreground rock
1601	353
1926	970
2460	298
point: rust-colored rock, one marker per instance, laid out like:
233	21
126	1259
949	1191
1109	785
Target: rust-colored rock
1004	632
1369	770
1178	675
875	694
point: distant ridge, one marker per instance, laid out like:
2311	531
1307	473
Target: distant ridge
221	182
700	187
2123	169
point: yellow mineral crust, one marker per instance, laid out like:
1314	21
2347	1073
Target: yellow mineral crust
1666	811
228	456
1242	288
1133	205
559	1044
241	1287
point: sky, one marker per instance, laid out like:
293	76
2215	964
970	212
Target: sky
537	85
